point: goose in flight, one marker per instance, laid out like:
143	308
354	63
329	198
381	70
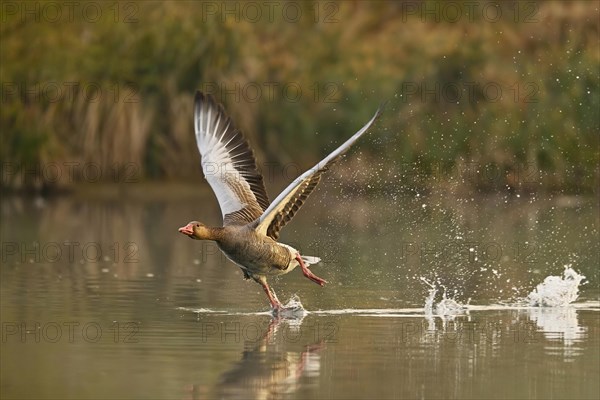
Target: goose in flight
251	224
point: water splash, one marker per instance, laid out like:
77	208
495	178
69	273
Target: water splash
430	299
294	303
292	310
445	307
557	291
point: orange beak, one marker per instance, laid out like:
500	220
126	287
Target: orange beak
187	230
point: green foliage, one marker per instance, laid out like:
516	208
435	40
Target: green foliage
346	58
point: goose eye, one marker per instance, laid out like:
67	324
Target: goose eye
197	225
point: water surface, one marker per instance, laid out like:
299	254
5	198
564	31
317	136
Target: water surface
102	298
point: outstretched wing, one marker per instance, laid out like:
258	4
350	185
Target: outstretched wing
228	163
285	206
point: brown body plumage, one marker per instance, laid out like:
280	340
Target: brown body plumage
255	254
251	225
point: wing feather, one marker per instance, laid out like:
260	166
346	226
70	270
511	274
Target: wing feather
228	163
287	204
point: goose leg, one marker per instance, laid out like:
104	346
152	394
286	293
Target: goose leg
307	272
275	304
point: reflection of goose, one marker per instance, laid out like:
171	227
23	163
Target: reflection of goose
267	371
250	225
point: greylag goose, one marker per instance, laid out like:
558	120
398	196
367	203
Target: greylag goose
251	225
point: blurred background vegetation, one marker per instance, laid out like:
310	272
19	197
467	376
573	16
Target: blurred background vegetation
117	90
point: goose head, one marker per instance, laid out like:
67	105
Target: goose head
196	230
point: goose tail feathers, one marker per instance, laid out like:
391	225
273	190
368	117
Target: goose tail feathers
309	260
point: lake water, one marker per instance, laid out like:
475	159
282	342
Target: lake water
103	298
